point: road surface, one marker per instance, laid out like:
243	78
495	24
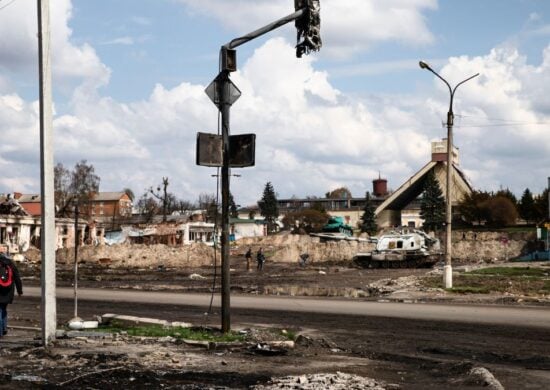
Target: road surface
494	315
418	346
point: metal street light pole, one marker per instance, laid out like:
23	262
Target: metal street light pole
448	271
307	18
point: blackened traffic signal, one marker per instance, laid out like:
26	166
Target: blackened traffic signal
308	27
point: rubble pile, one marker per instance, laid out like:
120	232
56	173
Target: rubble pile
285	248
388	285
338	381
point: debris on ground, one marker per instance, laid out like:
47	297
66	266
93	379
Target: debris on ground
484	377
337	381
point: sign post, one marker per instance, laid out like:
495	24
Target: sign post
224	93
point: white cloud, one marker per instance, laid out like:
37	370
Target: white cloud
18	44
347	27
504	133
120	41
311	137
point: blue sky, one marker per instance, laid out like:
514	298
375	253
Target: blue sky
129	76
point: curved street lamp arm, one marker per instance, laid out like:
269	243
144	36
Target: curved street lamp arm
442	79
463	81
454	90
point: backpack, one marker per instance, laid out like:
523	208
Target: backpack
6	275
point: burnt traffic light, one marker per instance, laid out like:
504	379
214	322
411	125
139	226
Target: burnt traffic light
308	27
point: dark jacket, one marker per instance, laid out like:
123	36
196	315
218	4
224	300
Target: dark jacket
6	294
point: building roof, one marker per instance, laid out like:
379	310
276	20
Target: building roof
29	198
106	196
414	186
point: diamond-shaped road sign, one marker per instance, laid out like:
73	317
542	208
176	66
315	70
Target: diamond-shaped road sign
213	92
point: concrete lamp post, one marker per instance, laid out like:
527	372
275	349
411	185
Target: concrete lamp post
448	271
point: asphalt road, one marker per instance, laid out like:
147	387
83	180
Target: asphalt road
418	346
493	315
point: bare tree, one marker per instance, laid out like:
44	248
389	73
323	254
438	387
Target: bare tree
339	193
147	206
84	181
79	185
62	181
163	197
208	202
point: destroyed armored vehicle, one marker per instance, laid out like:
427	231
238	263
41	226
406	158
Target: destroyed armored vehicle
337	225
402	249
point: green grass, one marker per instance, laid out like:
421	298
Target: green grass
289	334
510	271
514	280
469	290
509	229
175	332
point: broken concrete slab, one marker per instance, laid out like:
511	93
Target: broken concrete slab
132	320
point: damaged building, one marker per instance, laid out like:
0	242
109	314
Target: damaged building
392	208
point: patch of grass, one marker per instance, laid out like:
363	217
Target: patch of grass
199	334
289	334
469	290
510	271
514	280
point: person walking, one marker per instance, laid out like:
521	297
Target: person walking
260	258
9	281
248	257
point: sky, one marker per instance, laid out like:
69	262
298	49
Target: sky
129	79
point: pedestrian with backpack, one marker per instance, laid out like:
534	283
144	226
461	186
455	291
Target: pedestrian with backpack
9	281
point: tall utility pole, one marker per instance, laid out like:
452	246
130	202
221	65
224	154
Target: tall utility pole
76	242
225	105
548	229
224	93
448	271
47	234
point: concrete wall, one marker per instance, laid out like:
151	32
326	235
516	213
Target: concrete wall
490	246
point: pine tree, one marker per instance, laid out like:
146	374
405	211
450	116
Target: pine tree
527	206
269	208
368	219
233	213
541	207
432	205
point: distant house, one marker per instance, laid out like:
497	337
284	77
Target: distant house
107	205
30	202
102	207
241	227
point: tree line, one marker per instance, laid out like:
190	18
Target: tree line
495	209
502	208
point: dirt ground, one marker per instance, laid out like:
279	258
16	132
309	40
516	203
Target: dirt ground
327	279
396	353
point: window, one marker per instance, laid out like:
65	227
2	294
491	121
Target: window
399	244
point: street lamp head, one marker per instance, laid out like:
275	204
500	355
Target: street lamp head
424	65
